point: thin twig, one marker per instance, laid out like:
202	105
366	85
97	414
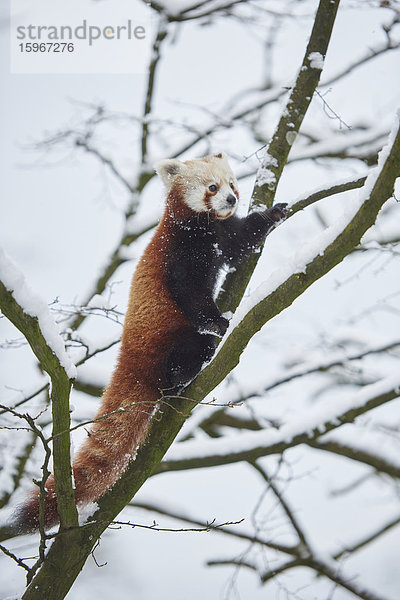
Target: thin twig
304	546
238	534
15	558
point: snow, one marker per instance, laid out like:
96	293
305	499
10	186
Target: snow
98	301
343	142
373	175
93	374
317	419
140	222
87	511
34	306
316	60
382	233
369	441
296	263
317	189
264	174
291	137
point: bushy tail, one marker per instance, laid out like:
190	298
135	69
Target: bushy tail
111	443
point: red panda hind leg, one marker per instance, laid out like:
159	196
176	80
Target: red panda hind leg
187	357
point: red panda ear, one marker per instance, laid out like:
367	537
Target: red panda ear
168	169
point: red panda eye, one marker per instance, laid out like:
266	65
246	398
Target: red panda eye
213	187
232	186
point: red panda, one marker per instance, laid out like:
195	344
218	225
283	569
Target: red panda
172	321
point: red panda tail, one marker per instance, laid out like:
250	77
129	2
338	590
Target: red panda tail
27	515
111	444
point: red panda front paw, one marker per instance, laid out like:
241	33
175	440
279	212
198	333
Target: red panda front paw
216	327
278	212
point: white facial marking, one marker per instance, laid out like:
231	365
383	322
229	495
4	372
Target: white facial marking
225	201
194	197
196	177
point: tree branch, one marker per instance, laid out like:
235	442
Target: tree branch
303	547
368	539
30	327
117	259
316	565
83	142
325	193
277	152
156	55
19	469
276	441
373	460
296	107
238	534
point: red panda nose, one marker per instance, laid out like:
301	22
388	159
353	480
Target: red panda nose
231	200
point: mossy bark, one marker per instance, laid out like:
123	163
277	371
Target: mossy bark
60	392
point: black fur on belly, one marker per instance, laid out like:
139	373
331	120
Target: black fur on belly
199	249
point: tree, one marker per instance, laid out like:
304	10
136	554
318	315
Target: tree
346	396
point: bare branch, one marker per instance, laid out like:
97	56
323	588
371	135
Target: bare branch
19	562
156	55
9	531
345	582
116	260
194	12
19	469
319	367
316	565
371	54
368	539
304	547
209	526
238	534
83	143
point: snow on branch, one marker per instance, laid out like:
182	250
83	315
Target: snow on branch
30	314
16	294
318	421
363	448
352	144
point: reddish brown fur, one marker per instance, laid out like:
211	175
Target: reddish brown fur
153	323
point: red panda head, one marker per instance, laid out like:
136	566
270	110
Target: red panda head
204	185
